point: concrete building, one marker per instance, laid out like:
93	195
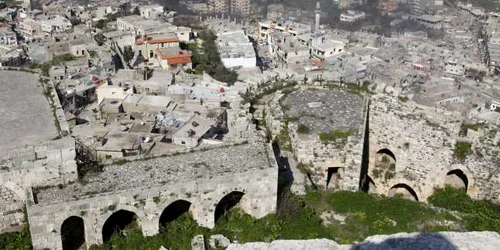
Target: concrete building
323	47
218	6
191	133
29	29
387	5
431	21
147	44
153	11
288	48
236	50
55	24
275	12
145	103
352	16
174	58
293	28
240	7
7	36
454	67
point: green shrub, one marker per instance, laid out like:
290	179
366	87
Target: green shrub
462	149
479	215
303	129
16	240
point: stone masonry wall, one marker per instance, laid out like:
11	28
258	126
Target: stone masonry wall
50	163
422	140
202	178
260	190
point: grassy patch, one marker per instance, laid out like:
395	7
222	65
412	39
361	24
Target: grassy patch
479	215
403	98
333	136
462	149
283	139
303	129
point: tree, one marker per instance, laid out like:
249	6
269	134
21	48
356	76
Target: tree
100	39
137	11
128	54
101	24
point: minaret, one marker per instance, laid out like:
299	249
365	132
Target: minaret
318	16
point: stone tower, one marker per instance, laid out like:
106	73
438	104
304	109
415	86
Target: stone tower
318	16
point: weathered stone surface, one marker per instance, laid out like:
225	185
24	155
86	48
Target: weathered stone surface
218	240
147	188
443	240
198	242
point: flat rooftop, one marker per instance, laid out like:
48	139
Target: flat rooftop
25	113
163	171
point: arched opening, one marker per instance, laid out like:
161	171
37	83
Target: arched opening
457	179
173	211
73	233
385	165
404	190
119	222
333	178
227	202
387	152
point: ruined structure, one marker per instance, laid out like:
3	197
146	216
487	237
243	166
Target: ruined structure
401	148
411	152
148	193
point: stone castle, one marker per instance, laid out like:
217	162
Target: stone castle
399	148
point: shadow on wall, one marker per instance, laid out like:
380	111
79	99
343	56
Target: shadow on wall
417	241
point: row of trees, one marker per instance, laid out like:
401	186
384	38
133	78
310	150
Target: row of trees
207	59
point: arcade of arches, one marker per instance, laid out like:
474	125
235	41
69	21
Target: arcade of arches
121	221
384	169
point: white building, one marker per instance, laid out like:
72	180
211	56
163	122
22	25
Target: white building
323	47
56	24
351	16
293	28
153	11
452	66
236	50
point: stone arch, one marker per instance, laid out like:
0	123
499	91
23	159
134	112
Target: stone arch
457	178
118	222
173	211
227	202
384	166
73	233
386	151
404	190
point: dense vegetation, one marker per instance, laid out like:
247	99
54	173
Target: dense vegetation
301	218
16	240
478	215
462	149
206	59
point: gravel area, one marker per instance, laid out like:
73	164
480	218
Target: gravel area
324	110
25	112
164	170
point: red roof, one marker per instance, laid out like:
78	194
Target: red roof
179	60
